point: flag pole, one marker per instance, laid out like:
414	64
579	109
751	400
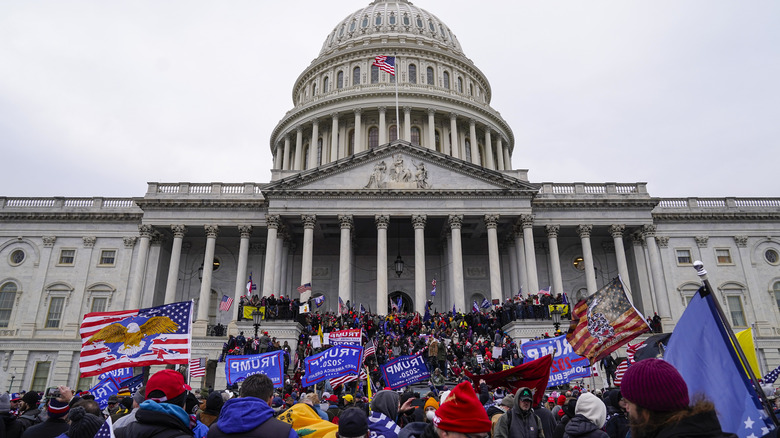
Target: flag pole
397	117
707	290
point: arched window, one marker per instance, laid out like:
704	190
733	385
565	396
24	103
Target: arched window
776	290
467	146
313	90
340	80
341	31
471	90
443	33
356	76
365	22
373	137
412	74
378	20
352	25
351	144
419	22
7	297
406	20
429	74
415	135
446	80
319	151
325	85
431	26
392	18
460	85
374	74
393	133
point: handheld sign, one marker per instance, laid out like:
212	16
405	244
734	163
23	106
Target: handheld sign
238	368
347	337
103	390
404	371
566	366
334	362
118	375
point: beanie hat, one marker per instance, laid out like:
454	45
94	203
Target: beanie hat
139	396
431	403
561	400
169	382
353	422
215	402
83	424
462	412
57	409
656	385
123	392
592	408
31	398
508	401
5	403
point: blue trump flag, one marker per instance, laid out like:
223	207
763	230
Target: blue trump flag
404	371
119	375
334	362
103	390
701	351
238	368
566	365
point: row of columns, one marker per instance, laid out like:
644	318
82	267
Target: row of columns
289	158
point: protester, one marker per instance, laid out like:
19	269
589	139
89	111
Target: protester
211	408
55	424
138	398
520	421
82	423
162	413
547	418
460	414
658	405
590	414
617	421
11	428
353	423
567	413
384	411
29	412
497	411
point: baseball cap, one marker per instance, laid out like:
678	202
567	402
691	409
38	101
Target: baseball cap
169	382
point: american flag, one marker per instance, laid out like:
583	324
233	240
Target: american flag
304	287
106	430
475	307
385	63
772	376
225	304
433	291
135	338
621	369
198	367
348	378
250	286
370	348
342	306
485	303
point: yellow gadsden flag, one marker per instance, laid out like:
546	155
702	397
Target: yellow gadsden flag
307	423
745	339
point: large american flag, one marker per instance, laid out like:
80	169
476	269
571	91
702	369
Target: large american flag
623	367
385	63
224	305
135	338
198	367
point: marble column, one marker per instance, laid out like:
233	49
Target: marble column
491	222
279	260
473	141
616	230
500	153
136	286
659	284
555	258
489	161
315	133
418	222
454	136
309	220
173	266
241	278
407	123
587	257
334	138
286	153
382	125
458	289
382	222
431	129
345	258
507	158
514	277
298	164
359	145
272	223
527	221
208	268
523	267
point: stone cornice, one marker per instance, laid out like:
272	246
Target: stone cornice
38	216
395	194
715	216
201	204
595	203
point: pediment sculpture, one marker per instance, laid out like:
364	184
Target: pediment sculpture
398	176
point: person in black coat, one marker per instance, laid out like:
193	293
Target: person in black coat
548	420
162	414
617	421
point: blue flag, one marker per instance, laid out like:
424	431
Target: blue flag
772	376
453	310
701	351
133	384
427	316
319	300
485	303
475	307
404	371
334	362
103	390
238	368
566	365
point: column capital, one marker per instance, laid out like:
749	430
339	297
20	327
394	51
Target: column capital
273	221
407	110
346	221
382	109
648	231
527	221
663	241
158	238
453	116
472	122
245	231
616	230
357	111
315	122
145	231
552	230
584	230
211	231
48	241
455	221
382	221
299	130
334	116
741	241
418	221
89	241
179	231
701	241
431	111
128	241
491	220
308	221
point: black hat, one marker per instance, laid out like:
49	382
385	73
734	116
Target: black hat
83	424
31	398
525	394
113	399
353	422
214	403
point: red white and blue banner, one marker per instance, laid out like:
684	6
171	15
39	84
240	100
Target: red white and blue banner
103	390
404	371
346	337
238	368
566	364
118	375
334	362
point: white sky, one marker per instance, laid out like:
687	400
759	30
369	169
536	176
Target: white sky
99	97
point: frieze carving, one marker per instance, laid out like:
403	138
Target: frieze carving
475	272
552	230
741	241
584	230
701	241
129	241
89	241
398	176
455	221
48	241
663	241
382	221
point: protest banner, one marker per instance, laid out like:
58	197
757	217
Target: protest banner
133	384
563	308
315	342
480	359
249	309
404	371
334	362
118	375
566	365
347	337
305	308
238	368
103	390
497	352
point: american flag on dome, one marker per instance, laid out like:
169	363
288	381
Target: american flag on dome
385	63
198	367
225	304
135	338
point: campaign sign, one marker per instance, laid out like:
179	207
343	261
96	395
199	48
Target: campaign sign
334	362
103	390
133	383
238	368
404	371
119	375
347	337
566	365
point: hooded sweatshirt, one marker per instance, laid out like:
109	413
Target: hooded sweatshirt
518	423
384	410
241	416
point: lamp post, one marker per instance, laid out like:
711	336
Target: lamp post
399	262
556	317
256	318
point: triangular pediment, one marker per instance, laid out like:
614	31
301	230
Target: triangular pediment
400	166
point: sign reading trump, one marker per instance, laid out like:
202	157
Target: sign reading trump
566	365
404	371
334	362
238	368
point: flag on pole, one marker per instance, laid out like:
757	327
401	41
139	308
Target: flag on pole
385	63
433	291
304	287
250	286
485	303
106	430
342	306
745	339
134	338
772	376
453	310
319	300
545	291
475	307
362	308
623	367
197	367
370	348
565	299
225	304
427	316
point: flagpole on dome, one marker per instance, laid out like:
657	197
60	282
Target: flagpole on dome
707	290
397	119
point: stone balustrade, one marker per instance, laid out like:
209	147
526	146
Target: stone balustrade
90	204
720	203
588	189
216	188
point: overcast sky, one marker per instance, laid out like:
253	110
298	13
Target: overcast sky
97	98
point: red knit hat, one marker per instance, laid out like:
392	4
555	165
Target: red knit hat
656	385
561	400
462	412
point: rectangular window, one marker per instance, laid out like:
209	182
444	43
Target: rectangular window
684	257
6	305
67	256
688	299
777	298
108	257
84	383
737	313
55	312
723	255
40	376
99	304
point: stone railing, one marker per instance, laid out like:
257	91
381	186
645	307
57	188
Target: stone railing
91	204
217	188
588	189
720	203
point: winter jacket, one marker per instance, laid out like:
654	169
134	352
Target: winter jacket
704	424
517	423
581	427
418	430
162	420
28	418
249	417
617	425
548	420
382	427
48	429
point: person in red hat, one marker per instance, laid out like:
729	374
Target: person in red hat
162	414
461	415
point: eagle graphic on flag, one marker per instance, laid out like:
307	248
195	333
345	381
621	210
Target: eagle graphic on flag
130	335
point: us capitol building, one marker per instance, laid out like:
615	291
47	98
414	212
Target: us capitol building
368	204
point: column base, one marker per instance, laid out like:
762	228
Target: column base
199	328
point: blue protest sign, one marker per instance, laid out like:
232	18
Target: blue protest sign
404	371
333	362
133	383
103	390
238	368
118	375
566	365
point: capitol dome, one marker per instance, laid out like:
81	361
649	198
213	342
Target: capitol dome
343	104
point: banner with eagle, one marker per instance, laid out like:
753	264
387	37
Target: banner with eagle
134	338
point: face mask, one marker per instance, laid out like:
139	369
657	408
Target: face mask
429	415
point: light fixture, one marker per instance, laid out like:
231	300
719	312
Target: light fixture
399	262
556	317
257	316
